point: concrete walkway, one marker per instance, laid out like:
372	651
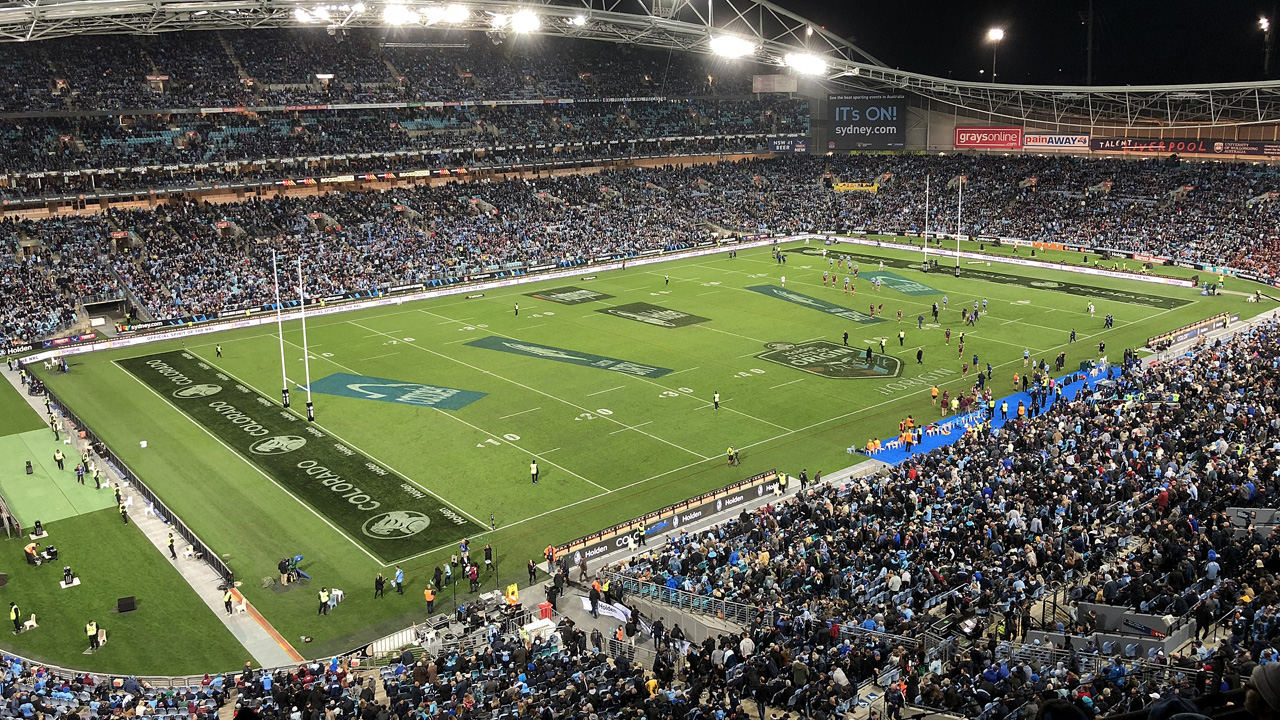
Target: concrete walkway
264	644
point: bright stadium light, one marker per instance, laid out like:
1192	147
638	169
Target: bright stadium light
499	21
525	21
456	14
449	14
995	35
358	8
322	13
397	15
1264	23
730	46
301	15
432	15
577	21
805	64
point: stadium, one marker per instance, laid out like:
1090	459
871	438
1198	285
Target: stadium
615	360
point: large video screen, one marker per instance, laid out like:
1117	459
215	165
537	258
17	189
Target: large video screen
867	122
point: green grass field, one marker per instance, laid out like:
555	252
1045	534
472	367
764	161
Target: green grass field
15	414
172	632
429	413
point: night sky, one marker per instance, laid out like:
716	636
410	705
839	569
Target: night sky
1135	42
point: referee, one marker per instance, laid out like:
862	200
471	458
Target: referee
533	471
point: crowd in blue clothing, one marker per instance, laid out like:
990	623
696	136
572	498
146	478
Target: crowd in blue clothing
994	519
31	691
190	258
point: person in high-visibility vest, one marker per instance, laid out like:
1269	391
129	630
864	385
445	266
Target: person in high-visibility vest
324	601
226	600
430	596
91	629
14	614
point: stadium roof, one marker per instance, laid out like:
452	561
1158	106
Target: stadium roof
761	29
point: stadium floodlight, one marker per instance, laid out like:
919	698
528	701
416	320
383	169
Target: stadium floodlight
301	15
456	14
731	46
449	14
995	35
805	63
322	13
525	21
358	8
1264	23
499	21
577	21
397	15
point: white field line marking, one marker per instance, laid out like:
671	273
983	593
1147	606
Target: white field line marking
765	441
745	447
376	357
726	332
680	371
615	432
548	452
246	460
706	403
601	392
929	305
515	292
532	389
775	387
455	342
371	456
636	377
504	417
706	293
527	452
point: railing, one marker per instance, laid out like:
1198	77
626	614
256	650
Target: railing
734	612
162	511
11	525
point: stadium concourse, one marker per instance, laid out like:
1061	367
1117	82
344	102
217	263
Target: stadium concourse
991	523
369	241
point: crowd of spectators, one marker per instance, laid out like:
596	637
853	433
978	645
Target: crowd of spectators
1130	206
98	142
999	516
280	67
371	240
43	285
31	690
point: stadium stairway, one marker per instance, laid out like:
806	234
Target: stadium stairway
250	628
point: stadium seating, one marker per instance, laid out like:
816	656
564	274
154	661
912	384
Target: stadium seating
645	208
214	69
942	522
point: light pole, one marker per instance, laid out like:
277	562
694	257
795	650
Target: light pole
995	35
1265	24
